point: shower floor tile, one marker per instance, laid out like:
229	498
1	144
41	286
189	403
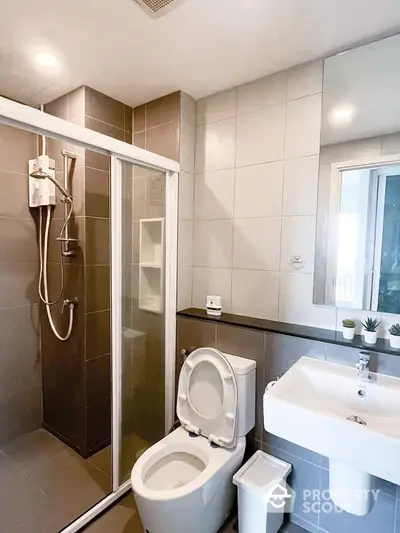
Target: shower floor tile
44	485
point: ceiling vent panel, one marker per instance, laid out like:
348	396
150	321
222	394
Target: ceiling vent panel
158	8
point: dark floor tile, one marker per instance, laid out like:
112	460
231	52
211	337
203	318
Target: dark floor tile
18	494
33	449
122	518
73	484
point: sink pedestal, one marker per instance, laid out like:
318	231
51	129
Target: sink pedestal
350	489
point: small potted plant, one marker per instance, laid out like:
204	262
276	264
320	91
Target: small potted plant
394	331
349	327
370	330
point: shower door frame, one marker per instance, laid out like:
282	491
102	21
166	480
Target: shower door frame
30	119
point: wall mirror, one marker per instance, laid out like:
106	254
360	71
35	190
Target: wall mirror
357	260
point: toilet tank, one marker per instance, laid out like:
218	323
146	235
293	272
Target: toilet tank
245	371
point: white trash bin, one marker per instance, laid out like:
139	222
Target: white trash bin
262	493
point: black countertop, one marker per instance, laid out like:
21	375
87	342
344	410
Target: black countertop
294	330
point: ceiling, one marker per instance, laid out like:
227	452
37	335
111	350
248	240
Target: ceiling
200	47
368	80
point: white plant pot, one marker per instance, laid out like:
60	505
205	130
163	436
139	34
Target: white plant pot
395	341
348	333
370	337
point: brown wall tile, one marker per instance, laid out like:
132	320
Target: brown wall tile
164	140
163	110
16	148
128	118
104	108
98	426
139	118
21	414
98	379
97	288
15	202
96	160
58	108
97	193
98	333
18	240
76	106
192	334
97	241
105	129
249	344
18	284
139	139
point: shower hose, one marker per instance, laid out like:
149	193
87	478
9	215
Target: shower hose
43	278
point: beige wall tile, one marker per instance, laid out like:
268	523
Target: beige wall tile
164	140
300	186
262	93
216	107
187	141
258	190
213	243
185	278
298	238
257	243
295	302
214	193
260	136
215	146
186	195
305	79
209	281
185	243
188	110
163	110
255	293
303	127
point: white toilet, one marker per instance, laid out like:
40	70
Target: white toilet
183	483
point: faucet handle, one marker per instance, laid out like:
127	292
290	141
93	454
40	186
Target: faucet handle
365	356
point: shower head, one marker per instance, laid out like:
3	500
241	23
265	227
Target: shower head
40	174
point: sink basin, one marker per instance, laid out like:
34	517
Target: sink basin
326	408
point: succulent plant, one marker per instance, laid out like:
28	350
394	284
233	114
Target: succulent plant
395	329
371	324
348	323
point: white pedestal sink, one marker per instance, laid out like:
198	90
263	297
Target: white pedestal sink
356	423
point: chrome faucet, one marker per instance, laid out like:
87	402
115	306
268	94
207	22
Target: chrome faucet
364	359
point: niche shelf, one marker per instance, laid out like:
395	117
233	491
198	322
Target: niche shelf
151	265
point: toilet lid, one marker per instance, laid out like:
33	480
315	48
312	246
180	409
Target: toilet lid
208	396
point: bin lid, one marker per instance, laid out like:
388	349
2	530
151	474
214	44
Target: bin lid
260	471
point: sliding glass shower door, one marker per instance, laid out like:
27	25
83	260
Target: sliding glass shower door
147	303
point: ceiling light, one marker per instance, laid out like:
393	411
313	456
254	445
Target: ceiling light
46	60
341	114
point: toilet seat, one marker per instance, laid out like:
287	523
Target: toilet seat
154	475
208	396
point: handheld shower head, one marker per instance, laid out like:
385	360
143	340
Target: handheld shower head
40	174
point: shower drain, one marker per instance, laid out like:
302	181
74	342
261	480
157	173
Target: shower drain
357	419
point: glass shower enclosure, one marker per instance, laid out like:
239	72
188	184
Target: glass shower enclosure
143	201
